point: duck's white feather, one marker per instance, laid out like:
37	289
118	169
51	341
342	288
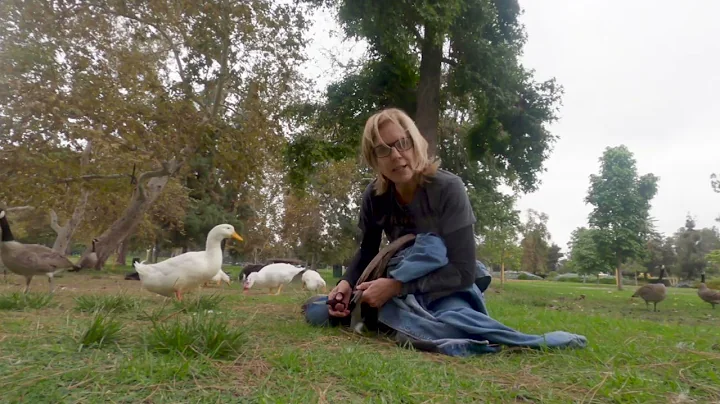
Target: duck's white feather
312	281
186	271
273	275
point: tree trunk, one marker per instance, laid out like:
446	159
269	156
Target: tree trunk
427	114
121	258
156	252
618	276
502	272
142	199
65	233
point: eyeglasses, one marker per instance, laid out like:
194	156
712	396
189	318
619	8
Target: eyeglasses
400	145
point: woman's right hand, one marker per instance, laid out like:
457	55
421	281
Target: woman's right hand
342	291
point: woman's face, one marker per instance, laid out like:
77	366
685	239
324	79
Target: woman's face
396	160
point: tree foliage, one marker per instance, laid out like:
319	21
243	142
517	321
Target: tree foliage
153	85
621	204
585	256
692	247
553	257
498	247
480	109
535	243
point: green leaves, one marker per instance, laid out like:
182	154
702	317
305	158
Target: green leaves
621	203
585	256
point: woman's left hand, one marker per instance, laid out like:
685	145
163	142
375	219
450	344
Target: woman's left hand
376	293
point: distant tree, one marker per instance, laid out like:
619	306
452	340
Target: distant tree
553	257
585	257
659	258
621	205
499	243
535	243
713	259
692	248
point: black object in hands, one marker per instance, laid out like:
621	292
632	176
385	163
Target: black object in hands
334	301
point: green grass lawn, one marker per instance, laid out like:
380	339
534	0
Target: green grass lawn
102	339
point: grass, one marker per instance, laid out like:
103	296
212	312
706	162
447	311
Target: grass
221	345
119	303
19	301
200	335
102	330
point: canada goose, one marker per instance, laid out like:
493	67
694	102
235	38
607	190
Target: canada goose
709	295
654	292
88	261
29	260
186	271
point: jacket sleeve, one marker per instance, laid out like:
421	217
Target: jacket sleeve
458	274
369	243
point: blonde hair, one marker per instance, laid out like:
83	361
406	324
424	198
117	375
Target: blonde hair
423	168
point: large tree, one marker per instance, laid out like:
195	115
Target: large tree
621	205
454	67
152	83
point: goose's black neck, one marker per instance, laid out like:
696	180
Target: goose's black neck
6	233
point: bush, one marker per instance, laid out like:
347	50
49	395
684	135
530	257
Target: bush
712	283
526	277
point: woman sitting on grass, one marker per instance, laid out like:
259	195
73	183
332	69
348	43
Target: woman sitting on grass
410	195
438	305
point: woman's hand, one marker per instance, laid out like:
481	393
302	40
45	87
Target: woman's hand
376	293
342	291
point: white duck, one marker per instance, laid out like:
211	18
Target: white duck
313	282
189	270
221	276
272	276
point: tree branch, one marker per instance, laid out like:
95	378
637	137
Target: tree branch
169	168
54	222
449	61
19	208
85	156
90	177
173	46
217	99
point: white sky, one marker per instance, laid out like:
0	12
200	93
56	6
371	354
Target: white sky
641	73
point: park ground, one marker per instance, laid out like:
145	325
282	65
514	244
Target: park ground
101	338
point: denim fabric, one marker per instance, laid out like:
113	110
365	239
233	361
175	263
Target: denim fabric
455	325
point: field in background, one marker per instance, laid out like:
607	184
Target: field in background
100	338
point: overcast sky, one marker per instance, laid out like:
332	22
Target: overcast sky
641	73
